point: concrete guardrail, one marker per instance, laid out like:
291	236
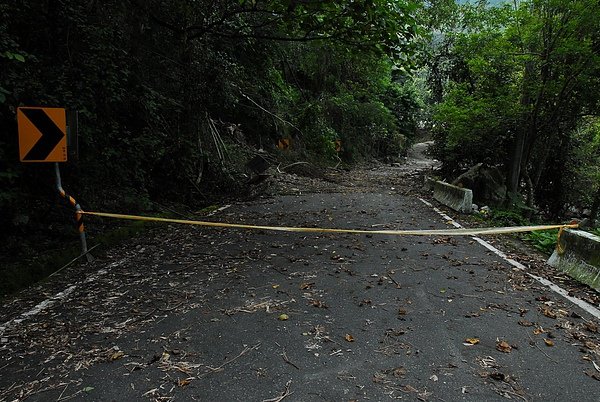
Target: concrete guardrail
578	255
458	198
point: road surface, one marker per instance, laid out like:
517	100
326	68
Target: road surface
183	313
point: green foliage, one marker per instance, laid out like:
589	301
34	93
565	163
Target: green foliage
378	26
328	94
173	96
508	218
583	165
543	240
511	84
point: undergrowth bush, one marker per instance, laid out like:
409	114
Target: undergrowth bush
508	218
543	240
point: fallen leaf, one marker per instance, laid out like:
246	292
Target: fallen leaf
283	317
433	378
538	331
402	311
525	323
548	342
409	388
472	341
349	338
549	313
318	303
378	378
442	290
593	374
275	286
503	346
592	327
399	372
182	382
88	389
117	355
306	285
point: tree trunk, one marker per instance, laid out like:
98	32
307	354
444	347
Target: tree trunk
515	166
595	210
514	177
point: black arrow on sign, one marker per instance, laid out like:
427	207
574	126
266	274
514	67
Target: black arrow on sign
51	134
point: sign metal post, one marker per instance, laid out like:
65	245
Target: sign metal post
43	136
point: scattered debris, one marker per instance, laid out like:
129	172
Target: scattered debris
503	346
286	392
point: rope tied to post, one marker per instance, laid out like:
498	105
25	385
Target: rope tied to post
415	232
560	249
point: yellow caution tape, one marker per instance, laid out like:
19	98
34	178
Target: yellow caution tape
433	232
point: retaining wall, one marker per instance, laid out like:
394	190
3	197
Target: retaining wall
578	254
458	198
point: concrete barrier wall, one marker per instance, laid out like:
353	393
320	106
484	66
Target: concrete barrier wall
458	198
428	183
578	254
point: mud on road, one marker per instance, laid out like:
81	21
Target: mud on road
186	313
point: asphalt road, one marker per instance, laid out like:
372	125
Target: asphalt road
185	313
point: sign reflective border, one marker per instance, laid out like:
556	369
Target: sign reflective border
42	134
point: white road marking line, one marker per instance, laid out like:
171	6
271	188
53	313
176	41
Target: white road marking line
552	286
49	302
446	217
223	208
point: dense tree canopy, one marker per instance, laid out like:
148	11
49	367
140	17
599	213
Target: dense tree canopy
174	97
513	84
